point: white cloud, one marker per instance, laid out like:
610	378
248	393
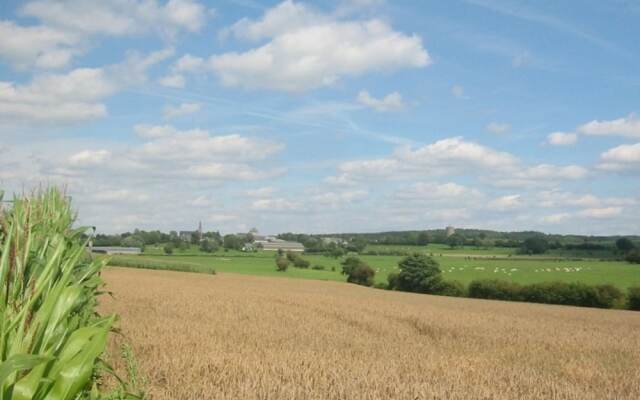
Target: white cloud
435	192
275	204
196	144
606	212
562	199
173	80
87	158
202	201
391	102
556	218
628	126
498	128
67	27
455	153
505	203
182	109
154	131
261	192
308	49
38	46
120	195
338	199
74	96
562	138
116	17
623	157
458	92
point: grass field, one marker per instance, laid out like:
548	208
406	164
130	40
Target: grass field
228	336
463	267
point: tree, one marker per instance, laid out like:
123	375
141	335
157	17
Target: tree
349	264
133	241
535	245
633	256
624	245
455	240
209	246
362	274
168	249
423	238
282	264
232	242
418	273
356	245
357	271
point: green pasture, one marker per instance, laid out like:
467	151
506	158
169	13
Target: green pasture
463	267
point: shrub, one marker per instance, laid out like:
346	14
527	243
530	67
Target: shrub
380	285
633	298
319	267
574	294
300	262
494	290
282	264
418	273
392	281
362	275
633	257
450	288
168	249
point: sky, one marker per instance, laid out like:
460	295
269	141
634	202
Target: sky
326	116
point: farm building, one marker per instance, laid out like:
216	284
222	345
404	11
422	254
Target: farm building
188	236
116	250
271	243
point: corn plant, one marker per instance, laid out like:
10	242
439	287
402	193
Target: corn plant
51	337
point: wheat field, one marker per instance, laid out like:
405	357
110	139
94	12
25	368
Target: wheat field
230	336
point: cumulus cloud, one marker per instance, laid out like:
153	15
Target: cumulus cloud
308	49
116	17
66	27
504	203
498	128
628	126
606	212
39	46
455	157
73	96
173	80
562	138
89	158
621	158
275	204
391	102
181	110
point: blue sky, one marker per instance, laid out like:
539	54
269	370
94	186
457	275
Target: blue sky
334	116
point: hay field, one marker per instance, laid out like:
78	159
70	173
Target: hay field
233	336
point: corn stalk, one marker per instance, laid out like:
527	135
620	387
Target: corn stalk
51	337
